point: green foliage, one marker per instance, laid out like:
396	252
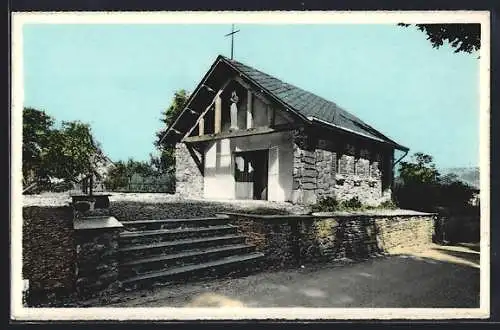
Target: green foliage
48	152
421	187
74	152
353	203
37	137
330	204
327	204
420	170
170	114
464	37
454	195
138	177
389	204
165	163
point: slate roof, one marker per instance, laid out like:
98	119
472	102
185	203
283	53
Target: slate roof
308	104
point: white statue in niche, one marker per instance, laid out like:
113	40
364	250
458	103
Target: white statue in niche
234	111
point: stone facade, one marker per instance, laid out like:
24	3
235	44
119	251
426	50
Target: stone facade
289	241
343	171
321	167
188	176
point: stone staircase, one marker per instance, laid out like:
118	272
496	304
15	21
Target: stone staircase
162	252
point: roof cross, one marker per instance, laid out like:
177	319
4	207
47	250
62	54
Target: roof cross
233	32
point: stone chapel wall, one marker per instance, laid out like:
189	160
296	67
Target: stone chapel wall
188	177
342	171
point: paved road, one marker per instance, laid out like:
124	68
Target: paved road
437	277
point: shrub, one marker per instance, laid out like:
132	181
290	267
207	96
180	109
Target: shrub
353	203
389	204
327	204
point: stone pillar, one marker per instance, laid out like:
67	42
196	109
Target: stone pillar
188	177
305	173
97	267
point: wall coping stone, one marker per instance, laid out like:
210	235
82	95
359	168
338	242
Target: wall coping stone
270	216
376	213
319	215
96	194
96	222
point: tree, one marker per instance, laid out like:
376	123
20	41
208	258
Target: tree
464	37
122	174
37	136
422	187
74	153
419	183
420	170
166	161
67	153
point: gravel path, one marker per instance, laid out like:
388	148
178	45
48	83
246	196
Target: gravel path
435	277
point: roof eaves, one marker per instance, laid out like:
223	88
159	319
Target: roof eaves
191	97
313	119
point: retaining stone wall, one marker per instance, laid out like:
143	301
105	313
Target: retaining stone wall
401	231
275	239
48	252
289	241
188	177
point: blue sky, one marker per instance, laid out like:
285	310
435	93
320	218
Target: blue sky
119	78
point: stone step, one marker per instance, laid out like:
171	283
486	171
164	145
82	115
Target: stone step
137	251
143	265
162	235
175	223
237	264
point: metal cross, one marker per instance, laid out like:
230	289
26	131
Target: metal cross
233	32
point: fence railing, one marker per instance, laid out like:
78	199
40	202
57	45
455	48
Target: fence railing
145	187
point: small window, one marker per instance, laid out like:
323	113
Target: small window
342	164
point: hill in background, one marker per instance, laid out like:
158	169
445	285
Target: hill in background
468	175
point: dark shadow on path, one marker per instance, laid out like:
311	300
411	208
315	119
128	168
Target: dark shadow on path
398	281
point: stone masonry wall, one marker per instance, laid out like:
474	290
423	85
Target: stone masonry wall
48	252
188	177
342	171
97	236
326	239
290	241
355	237
97	267
400	231
275	239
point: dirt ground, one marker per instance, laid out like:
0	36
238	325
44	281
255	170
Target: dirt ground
432	277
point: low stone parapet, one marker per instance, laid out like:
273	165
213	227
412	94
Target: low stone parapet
292	240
